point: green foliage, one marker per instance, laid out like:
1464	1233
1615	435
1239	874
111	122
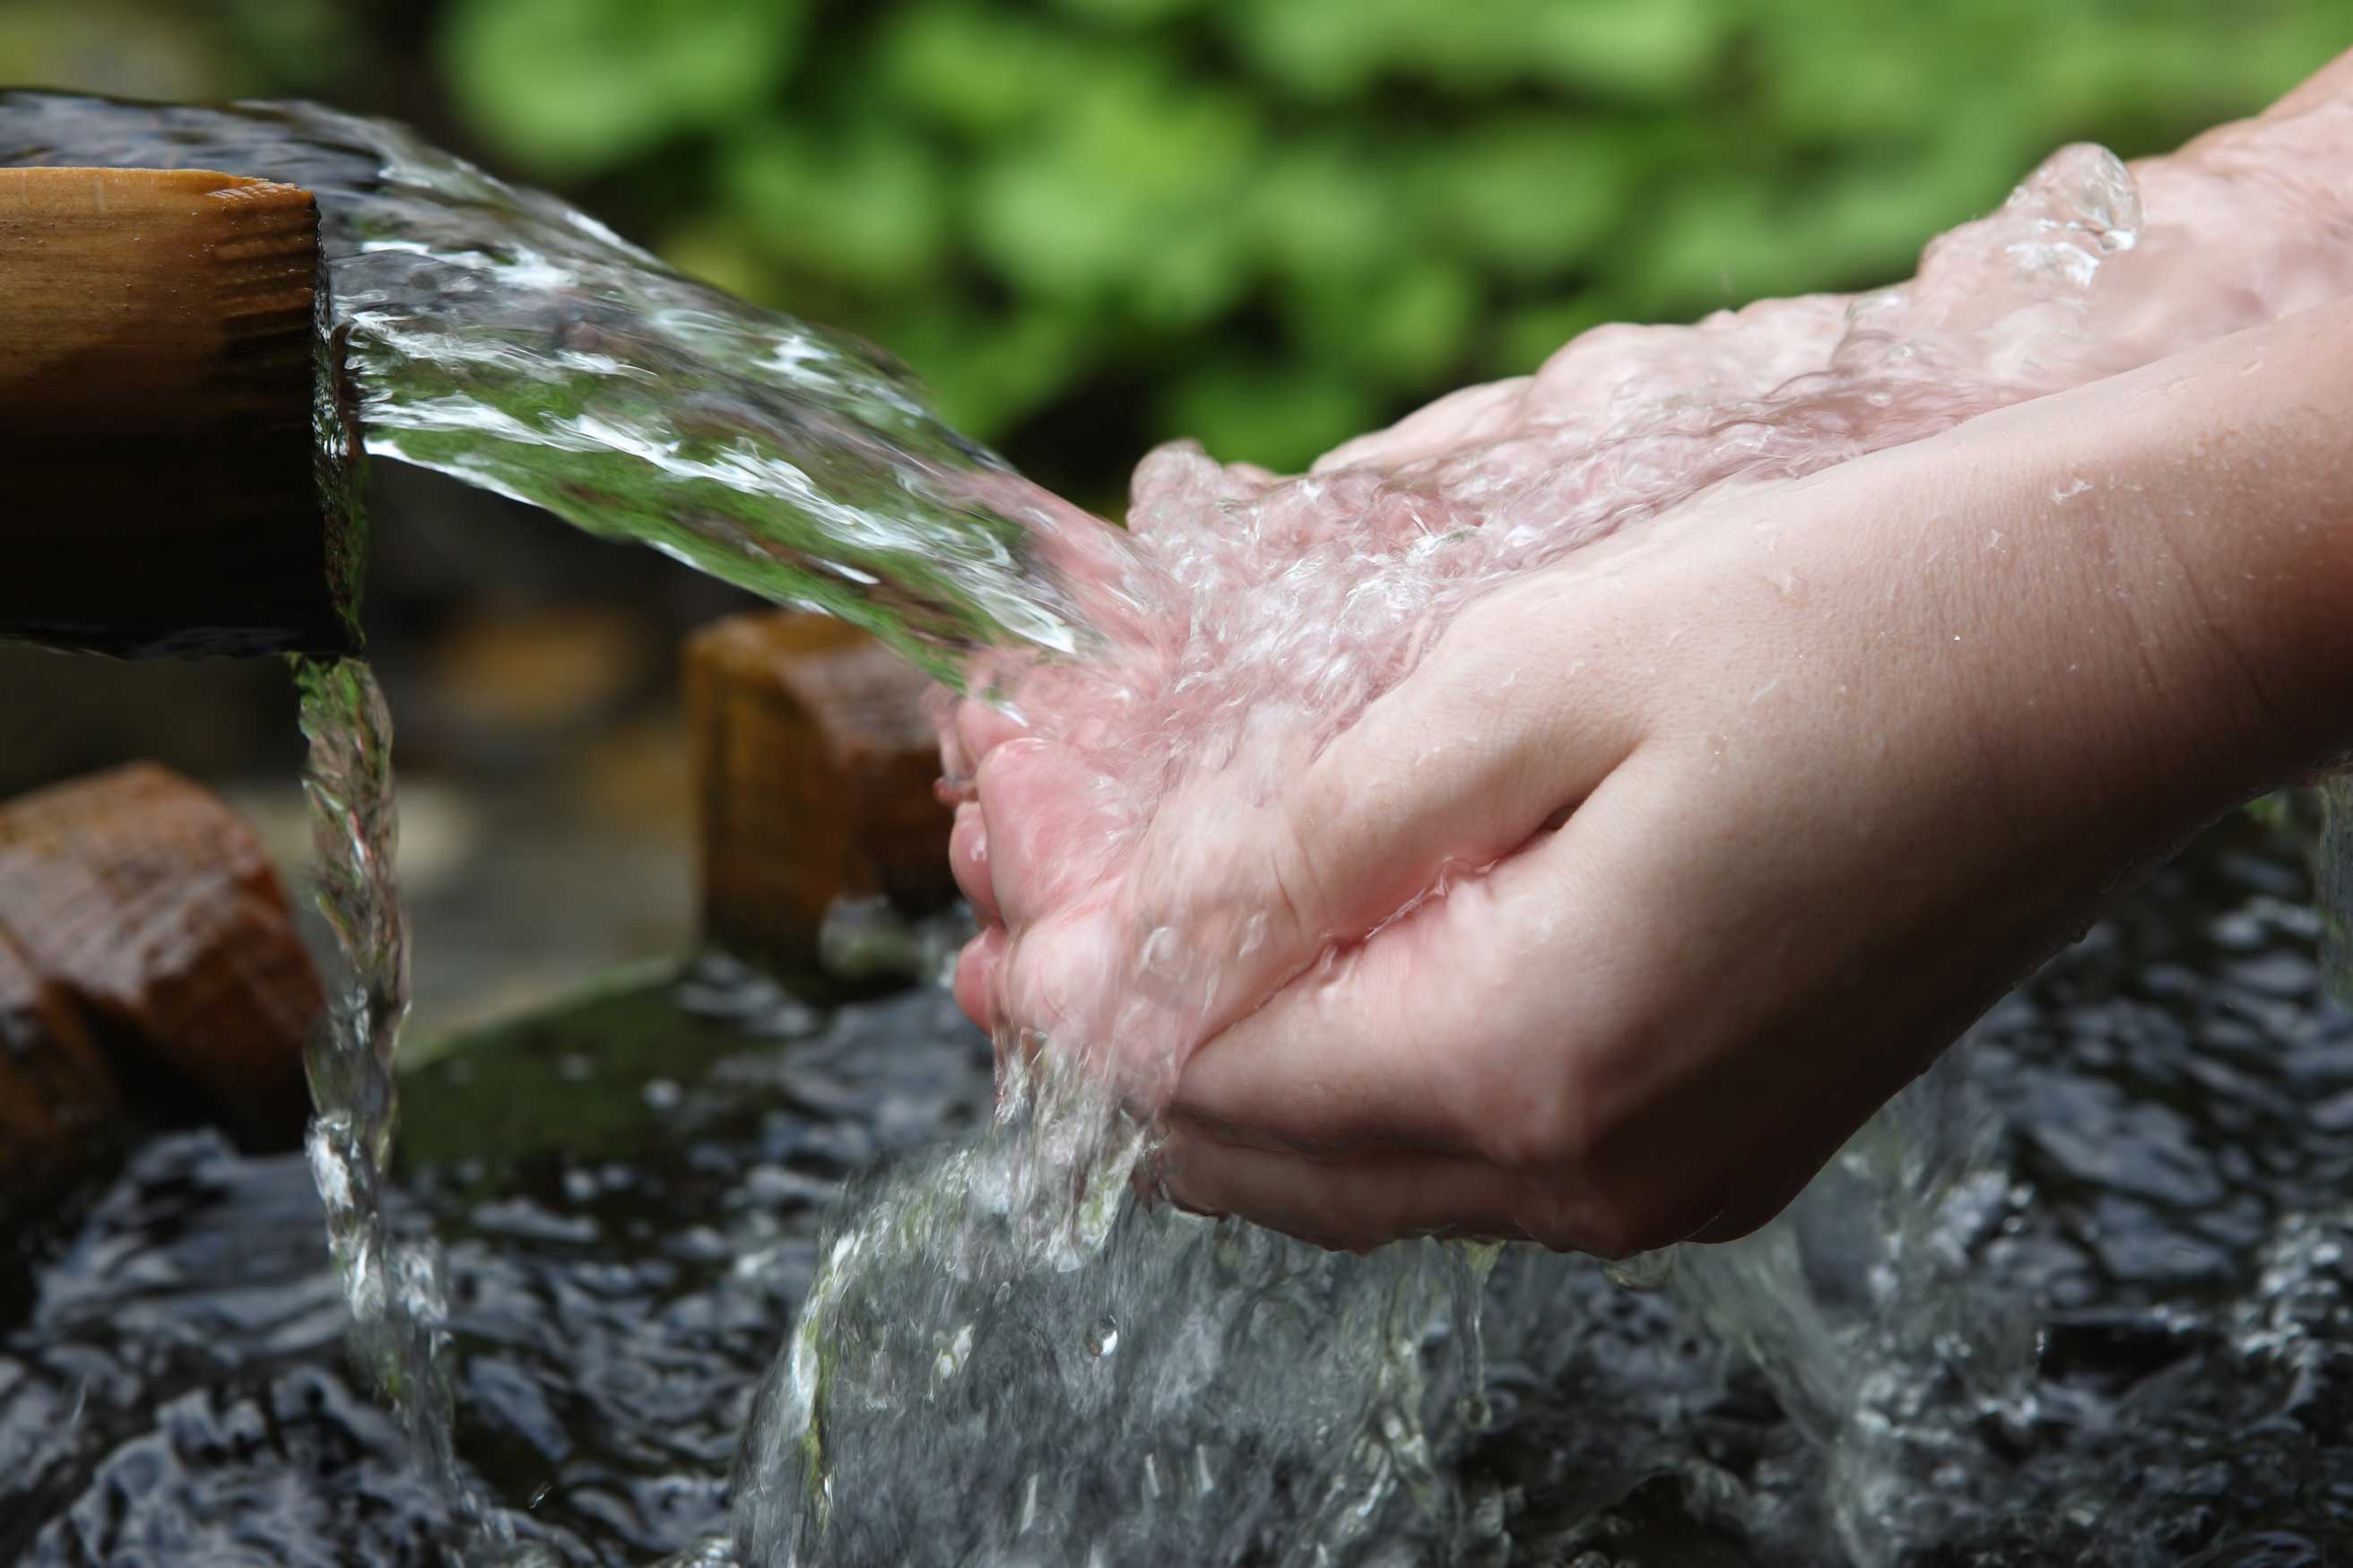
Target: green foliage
869	205
1091	224
574	85
1235	408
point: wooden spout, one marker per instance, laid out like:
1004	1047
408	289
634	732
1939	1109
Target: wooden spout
171	458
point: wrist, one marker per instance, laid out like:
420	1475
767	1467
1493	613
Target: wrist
2241	464
2173	623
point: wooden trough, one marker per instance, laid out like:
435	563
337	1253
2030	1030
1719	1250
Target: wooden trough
174	461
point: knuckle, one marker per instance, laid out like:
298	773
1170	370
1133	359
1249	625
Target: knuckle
1530	1131
1295	861
1544	1126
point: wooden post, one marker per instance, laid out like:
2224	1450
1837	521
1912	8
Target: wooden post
163	486
814	767
138	912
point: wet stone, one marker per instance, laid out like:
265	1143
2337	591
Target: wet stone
172	1381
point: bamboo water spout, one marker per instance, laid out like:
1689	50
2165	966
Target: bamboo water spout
172	456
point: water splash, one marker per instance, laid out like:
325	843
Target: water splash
1293	604
1034	1364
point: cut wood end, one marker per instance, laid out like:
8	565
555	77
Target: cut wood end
149	294
814	765
159	376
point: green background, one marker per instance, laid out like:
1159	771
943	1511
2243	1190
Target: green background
1096	224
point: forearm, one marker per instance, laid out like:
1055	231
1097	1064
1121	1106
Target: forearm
2211	493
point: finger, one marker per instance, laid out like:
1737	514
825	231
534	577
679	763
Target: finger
1457	1029
1052	827
1450	771
968	860
1457	766
1471	413
1360	1202
978	977
980	729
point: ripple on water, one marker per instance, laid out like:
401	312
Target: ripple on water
172	1386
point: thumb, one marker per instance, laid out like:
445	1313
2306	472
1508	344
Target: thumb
1454	768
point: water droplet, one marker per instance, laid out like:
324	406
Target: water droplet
1643	1271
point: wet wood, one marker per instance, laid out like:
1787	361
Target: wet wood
814	766
59	1104
143	905
160	370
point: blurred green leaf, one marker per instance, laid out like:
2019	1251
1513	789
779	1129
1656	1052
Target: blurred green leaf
718	252
979	70
1326	209
290	41
1129	13
571	87
1531	194
988	371
1527	337
1398	330
1625	49
1133	191
100	47
1283	415
1334	48
867	207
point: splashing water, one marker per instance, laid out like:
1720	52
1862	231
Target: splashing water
1289	605
1009	1356
1198	1392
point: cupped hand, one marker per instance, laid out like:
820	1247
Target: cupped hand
1668	864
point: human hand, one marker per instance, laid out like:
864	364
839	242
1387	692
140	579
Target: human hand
1739	819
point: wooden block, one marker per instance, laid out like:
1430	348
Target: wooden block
148	907
172	457
59	1104
814	766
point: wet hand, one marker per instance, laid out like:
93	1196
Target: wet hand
1666	866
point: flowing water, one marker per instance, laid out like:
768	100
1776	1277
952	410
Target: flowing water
391	1283
1004	1356
498	335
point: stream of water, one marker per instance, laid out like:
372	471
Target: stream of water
1006	1356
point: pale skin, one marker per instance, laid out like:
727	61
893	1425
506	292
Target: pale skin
1756	809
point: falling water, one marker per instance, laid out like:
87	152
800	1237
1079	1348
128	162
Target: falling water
391	1282
1010	1354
